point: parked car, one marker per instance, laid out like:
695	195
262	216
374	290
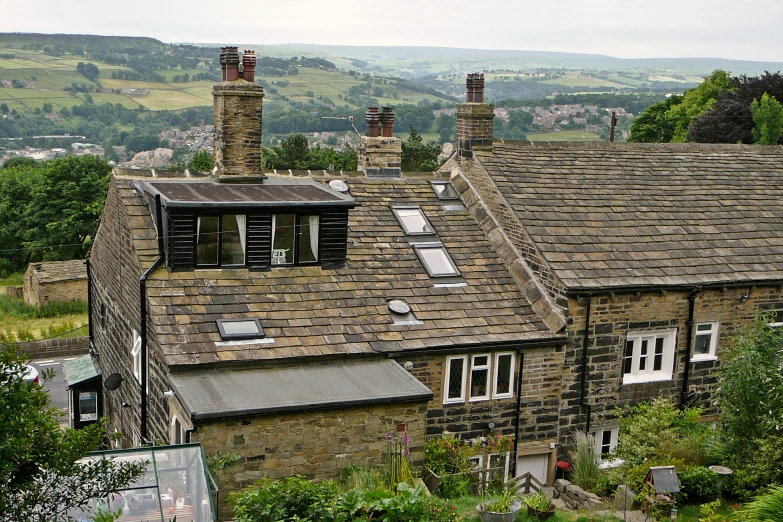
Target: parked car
30	374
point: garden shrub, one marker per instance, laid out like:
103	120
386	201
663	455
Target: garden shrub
296	498
585	469
697	485
766	508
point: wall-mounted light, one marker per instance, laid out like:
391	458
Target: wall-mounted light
745	297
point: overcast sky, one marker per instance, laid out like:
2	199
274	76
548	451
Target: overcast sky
739	29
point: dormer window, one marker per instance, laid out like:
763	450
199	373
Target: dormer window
295	239
413	221
221	240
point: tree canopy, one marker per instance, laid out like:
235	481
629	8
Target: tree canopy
40	476
202	161
294	152
48	210
418	156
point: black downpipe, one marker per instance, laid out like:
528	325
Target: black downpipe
143	312
685	395
583	384
519	404
89	303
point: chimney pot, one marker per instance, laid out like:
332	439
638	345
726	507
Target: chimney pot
249	65
222	64
232	64
373	119
475	88
387	122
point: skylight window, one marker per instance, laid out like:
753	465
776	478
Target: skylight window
239	329
413	221
436	260
444	190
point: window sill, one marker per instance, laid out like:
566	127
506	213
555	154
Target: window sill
479	399
503	396
642	379
451	402
704	359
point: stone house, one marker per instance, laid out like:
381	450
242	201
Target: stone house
297	319
653	254
50	281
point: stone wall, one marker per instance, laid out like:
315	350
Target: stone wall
379	156
316	444
612	317
116	269
55	347
576	497
541	386
238	110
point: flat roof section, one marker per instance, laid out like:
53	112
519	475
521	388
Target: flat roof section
225	394
273	192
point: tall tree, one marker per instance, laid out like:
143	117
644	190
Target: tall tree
202	161
695	102
768	116
41	477
418	156
652	125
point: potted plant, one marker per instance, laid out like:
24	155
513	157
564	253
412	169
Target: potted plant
502	508
539	506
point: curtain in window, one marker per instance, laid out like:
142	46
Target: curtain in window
198	228
314	235
242	226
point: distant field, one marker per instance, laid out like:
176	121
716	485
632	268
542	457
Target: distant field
582	81
570	135
173	100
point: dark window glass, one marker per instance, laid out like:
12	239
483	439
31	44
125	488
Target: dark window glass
503	385
478	382
284	229
456	369
308	239
606	442
207	240
643	356
628	357
233	240
658	360
702	344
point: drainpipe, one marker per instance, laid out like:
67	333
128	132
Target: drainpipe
583	384
143	312
89	304
685	395
519	402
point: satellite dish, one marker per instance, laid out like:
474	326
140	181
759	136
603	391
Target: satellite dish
113	381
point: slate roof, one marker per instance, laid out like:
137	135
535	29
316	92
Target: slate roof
57	271
614	215
79	370
220	394
309	312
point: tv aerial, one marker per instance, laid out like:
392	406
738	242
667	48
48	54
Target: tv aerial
348	118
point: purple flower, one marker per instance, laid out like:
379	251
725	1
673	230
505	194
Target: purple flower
388	437
407	453
405	438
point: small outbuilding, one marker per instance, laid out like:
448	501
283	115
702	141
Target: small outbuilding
85	400
50	281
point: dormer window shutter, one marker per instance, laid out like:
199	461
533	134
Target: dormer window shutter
334	238
259	241
182	241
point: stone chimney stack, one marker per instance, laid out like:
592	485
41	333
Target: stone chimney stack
238	106
475	119
380	156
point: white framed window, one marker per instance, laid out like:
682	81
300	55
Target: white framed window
479	377
605	444
88	406
498	466
177	431
649	356
776	318
705	342
454	387
413	221
136	354
489	376
503	378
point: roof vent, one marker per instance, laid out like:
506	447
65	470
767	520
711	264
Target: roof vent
401	313
339	185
